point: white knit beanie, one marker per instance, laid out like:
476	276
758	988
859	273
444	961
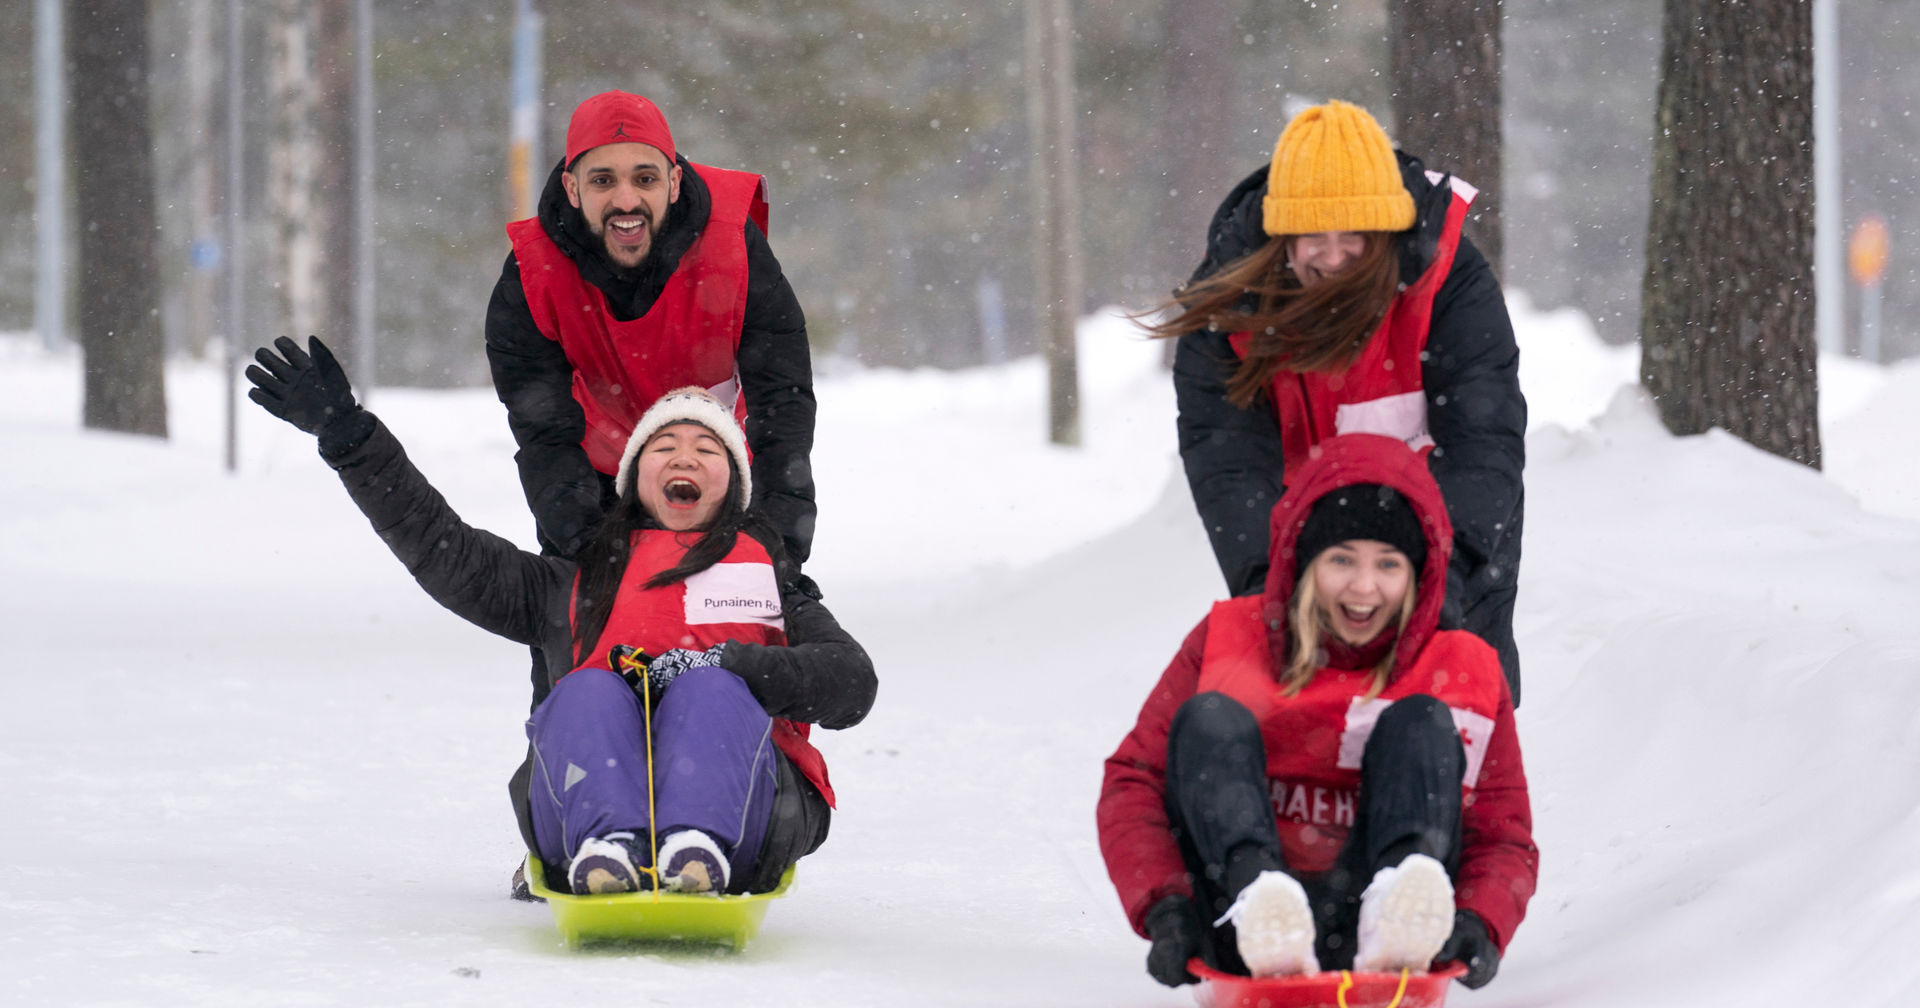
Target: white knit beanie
689	404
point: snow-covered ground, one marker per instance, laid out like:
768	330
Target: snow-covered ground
245	761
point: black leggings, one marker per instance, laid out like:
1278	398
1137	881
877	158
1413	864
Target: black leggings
1218	802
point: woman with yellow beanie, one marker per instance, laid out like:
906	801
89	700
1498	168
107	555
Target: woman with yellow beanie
1338	296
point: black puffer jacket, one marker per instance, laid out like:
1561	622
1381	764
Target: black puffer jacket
821	676
535	379
1475	414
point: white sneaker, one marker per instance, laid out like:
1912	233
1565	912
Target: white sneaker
691	862
1274	926
1405	916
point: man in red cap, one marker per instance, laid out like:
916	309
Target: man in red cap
643	272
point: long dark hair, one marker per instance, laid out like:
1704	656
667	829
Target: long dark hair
604	559
1295	327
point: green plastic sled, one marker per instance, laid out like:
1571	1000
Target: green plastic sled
654	917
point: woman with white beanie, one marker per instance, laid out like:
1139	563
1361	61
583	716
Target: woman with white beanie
676	601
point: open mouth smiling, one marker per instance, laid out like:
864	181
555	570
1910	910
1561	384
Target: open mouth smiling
681	491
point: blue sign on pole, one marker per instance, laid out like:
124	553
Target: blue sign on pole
205	254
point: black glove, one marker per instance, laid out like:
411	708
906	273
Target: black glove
309	392
1178	935
664	669
1470	944
804	585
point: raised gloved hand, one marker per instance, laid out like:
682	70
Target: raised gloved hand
667	666
1178	935
309	391
1471	944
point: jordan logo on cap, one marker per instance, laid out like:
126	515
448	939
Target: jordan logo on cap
620	130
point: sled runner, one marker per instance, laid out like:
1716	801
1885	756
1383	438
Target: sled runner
654	916
1333	989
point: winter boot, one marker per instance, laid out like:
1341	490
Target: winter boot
609	864
691	862
1274	926
1406	914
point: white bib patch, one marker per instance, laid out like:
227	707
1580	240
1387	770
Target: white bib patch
1402	416
734	593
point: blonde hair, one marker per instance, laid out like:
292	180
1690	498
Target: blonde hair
1306	625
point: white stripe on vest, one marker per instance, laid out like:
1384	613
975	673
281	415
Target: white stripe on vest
1476	730
1402	416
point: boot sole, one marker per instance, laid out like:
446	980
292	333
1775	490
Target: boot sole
1403	926
1275	928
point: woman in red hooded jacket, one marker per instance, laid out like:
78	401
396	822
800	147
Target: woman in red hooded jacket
1323	776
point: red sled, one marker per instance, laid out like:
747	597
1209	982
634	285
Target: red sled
1334	989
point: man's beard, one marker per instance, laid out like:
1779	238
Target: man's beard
656	231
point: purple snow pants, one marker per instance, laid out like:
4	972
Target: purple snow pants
714	764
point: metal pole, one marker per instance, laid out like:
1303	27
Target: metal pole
1829	270
1870	321
524	129
50	189
236	192
365	334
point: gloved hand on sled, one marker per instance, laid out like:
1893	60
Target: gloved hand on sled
1178	935
1470	944
668	665
307	390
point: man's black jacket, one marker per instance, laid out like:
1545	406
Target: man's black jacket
535	379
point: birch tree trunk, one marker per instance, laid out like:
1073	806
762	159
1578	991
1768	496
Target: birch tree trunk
292	154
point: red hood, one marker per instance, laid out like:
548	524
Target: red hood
1344	461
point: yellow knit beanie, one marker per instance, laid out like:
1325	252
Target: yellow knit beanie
1334	170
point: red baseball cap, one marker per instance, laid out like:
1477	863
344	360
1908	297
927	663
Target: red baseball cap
617	117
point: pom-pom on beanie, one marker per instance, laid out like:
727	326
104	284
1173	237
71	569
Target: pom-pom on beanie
689	404
1334	170
1362	511
612	117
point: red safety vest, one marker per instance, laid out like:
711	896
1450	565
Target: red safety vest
1382	392
1315	738
689	337
737	599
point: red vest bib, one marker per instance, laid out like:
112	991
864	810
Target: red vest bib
1382	392
688	337
1315	738
737	599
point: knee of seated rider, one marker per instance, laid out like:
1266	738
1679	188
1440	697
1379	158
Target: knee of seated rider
589	685
704	678
1215	716
1411	713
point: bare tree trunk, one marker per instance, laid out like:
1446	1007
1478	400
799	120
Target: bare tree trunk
1446	99
333	174
121	336
201	225
1058	280
294	254
1195	132
1727	305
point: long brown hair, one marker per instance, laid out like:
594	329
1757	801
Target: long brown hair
1307	626
1295	327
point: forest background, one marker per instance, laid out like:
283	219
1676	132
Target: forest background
895	140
